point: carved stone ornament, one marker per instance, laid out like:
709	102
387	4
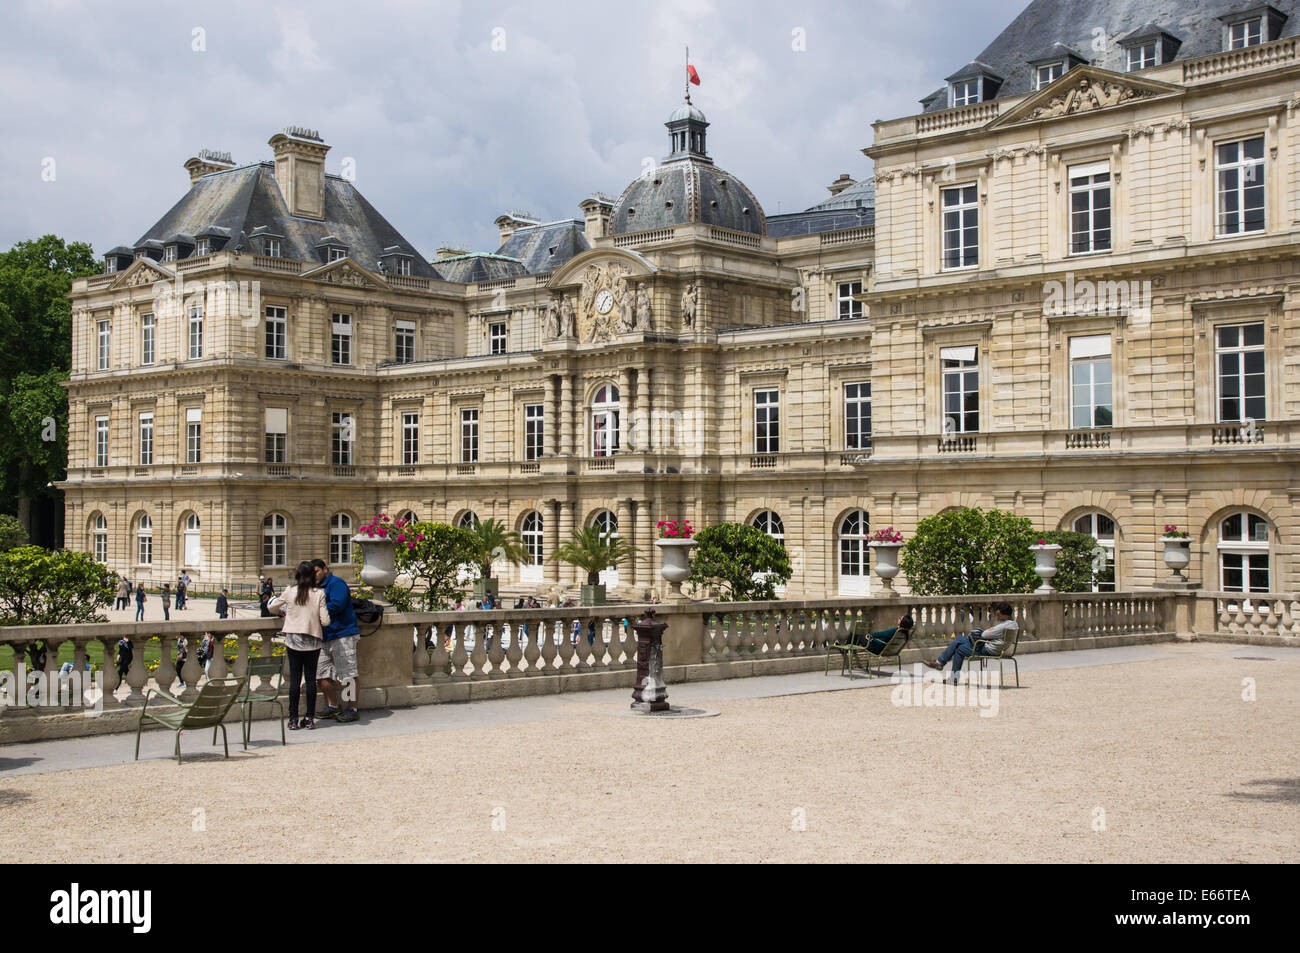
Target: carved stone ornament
146	276
345	276
1086	95
606	303
690	302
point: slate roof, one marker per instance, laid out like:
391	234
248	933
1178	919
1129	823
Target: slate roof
813	222
478	266
543	248
247	197
686	190
1072	22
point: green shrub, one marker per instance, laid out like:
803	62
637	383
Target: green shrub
739	563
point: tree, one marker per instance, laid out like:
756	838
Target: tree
492	542
971	551
435	563
593	551
739	563
35	355
12	533
43	587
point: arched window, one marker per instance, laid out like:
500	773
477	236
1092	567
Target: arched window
191	548
468	520
606	523
1243	553
99	538
1101	528
275	540
604	421
531	531
410	516
771	524
340	539
855	566
144	541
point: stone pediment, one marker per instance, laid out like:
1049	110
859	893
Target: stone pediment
1081	90
347	273
143	271
598	296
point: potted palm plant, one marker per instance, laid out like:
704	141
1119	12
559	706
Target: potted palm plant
592	551
493	542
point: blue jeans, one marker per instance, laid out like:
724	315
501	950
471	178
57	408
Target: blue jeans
961	648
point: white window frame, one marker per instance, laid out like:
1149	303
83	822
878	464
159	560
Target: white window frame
966	92
101	441
403	266
146	439
144	541
534	431
277	333
196	332
1136	55
1091	181
1241	376
410	438
272	248
859	400
845	290
342	436
1248	549
169	253
1054	71
148	338
404	342
99	539
1250	175
334	253
275	540
203	247
276	435
104	344
341	340
1239	35
469	434
191	537
606	410
193	435
966	207
767	420
497	337
966	360
1089	352
853	554
110	264
341	540
532	531
1107	543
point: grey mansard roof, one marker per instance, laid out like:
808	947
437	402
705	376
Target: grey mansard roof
686	190
1072	23
479	266
544	248
248	198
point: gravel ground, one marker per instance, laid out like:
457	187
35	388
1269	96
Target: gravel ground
1159	761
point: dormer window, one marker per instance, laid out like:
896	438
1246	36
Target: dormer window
1143	56
169	253
1246	33
335	253
1048	74
403	266
271	247
965	93
203	247
110	265
1251	27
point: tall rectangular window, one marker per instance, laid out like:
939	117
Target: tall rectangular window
1089	208
534	433
1239	175
1246	33
961	389
104	342
196	332
343	431
277	435
469	435
1142	57
148	328
1091	399
849	308
857	416
146	439
193	435
410	439
203	247
101	441
961	227
403	266
767	421
277	333
272	248
405	341
341	339
1240	355
497	338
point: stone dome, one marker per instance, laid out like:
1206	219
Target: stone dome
686	187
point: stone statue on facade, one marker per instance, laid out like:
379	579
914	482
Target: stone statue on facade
690	301
552	319
626	301
644	315
568	323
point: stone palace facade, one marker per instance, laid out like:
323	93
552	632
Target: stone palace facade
1069	290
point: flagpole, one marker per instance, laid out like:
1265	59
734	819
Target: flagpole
688	74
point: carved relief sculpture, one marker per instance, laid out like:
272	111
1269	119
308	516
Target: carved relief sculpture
568	326
690	301
644	315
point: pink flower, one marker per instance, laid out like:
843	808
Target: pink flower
401	537
410	545
383	531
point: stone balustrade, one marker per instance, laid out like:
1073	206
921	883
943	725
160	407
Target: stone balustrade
429	657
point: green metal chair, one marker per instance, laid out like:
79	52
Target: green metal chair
893	648
208	710
1008	654
268	669
844	649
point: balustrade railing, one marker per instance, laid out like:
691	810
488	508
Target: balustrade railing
1256	613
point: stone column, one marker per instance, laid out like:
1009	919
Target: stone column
566	415
645	547
565	529
627	531
550	434
625	402
646	404
551	527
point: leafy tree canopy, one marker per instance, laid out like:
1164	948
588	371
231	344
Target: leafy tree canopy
739	563
43	587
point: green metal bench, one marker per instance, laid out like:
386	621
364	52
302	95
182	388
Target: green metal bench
267	669
1008	654
208	710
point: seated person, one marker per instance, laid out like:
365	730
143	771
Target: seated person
978	642
876	642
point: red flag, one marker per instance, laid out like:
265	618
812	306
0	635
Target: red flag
692	75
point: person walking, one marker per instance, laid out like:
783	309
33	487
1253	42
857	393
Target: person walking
139	602
223	603
207	648
265	595
338	657
167	601
123	594
182	653
302	606
125	653
182	590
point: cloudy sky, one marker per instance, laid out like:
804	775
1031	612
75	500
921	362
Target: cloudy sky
451	112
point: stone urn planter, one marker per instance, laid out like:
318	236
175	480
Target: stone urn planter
593	595
886	563
1178	555
378	556
676	552
1045	564
485	587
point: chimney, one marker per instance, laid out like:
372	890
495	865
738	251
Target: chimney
508	223
842	183
206	162
300	170
447	251
596	212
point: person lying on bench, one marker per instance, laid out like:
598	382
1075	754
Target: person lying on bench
978	642
876	642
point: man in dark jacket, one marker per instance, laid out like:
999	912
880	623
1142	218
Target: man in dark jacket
223	603
338	656
125	653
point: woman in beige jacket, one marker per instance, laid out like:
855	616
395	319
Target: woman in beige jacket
302	606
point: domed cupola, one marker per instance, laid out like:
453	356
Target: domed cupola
686	187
